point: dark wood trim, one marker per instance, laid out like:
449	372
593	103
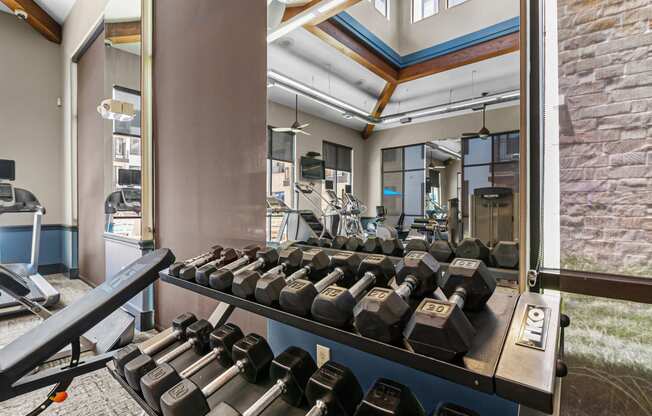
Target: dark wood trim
38	18
99	29
383	100
291	12
605	285
123	32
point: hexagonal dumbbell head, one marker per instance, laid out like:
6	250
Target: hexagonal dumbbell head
372	245
354	244
255	356
422	267
294	366
318	261
439	329
392	247
416	244
339	242
312	241
222	279
505	255
290	257
325	242
387	397
244	284
474	278
200	332
381	315
473	248
336	388
442	251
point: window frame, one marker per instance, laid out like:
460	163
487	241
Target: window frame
402	171
423	16
337	146
268	163
448	4
386	13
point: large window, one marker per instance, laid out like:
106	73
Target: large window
382	6
403	183
453	3
339	166
280	175
422	9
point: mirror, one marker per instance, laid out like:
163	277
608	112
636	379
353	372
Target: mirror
121	110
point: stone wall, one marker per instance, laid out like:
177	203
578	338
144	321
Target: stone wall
605	81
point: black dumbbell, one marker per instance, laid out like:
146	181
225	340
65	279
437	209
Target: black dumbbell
334	305
291	371
197	338
247	255
333	390
389	398
227	256
268	289
354	244
392	247
164	376
382	313
439	328
505	255
472	248
416	244
176	333
213	253
297	297
252	357
319	242
244	284
372	245
224	278
339	242
442	250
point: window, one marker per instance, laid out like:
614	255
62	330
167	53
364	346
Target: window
403	183
422	9
120	148
453	3
339	168
382	6
280	175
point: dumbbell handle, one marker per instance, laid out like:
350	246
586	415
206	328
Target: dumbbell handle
276	270
158	345
319	409
266	399
363	284
224	378
176	352
201	363
406	288
255	265
242	261
330	279
458	297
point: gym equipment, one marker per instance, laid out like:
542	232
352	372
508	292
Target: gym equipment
27	352
392	247
252	357
126	199
197	338
334	305
16	201
416	244
330	215
224	257
244	284
296	225
333	390
505	254
492	214
372	244
387	397
247	255
378	227
354	244
439	328
442	250
268	289
291	370
352	209
297	297
339	242
472	248
223	279
319	242
163	377
382	313
131	351
203	258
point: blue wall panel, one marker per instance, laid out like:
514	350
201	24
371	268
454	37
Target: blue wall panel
58	245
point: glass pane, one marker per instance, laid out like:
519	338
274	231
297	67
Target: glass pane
429	8
506	176
343	179
281	181
330	155
474	177
392	159
413	192
331	176
381	6
282	146
476	151
417	10
452	3
344	159
414	157
393	193
506	147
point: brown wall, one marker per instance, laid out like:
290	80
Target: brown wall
90	162
209	85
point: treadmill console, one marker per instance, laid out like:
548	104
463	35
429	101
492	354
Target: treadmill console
6	194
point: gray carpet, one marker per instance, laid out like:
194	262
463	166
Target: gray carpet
92	394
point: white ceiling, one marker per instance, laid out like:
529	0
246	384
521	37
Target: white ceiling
122	11
57	9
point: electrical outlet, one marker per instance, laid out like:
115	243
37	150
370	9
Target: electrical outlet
323	355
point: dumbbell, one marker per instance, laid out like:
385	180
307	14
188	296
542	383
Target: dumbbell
244	284
334	305
473	248
297	297
211	254
354	244
223	279
268	289
319	242
197	338
164	376
439	328
333	390
442	250
339	242
416	244
372	245
382	313
131	351
389	398
505	254
247	255
252	357
392	247
291	370
226	256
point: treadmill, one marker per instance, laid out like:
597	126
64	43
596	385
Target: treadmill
13	201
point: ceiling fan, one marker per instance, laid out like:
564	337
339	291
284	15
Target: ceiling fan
296	127
484	131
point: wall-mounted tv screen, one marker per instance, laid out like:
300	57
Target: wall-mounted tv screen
8	170
313	168
128	177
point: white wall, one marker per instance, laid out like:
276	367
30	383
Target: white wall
503	119
387	30
30	121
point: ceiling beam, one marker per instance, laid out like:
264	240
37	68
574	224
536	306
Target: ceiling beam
383	100
37	18
476	53
123	32
291	12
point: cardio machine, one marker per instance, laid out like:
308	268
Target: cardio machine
15	201
126	199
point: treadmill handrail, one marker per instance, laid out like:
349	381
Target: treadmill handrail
28	351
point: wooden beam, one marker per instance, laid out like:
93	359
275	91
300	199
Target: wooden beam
489	49
383	100
290	12
340	39
124	32
37	18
